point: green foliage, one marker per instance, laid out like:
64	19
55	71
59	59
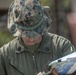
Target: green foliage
45	2
5	37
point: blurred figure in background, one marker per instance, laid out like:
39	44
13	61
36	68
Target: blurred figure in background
71	18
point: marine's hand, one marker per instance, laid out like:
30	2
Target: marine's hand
54	72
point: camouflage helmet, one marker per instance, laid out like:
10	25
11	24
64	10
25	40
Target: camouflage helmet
29	16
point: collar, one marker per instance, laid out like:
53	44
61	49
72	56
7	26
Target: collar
44	47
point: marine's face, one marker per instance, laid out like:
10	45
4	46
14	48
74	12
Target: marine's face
32	41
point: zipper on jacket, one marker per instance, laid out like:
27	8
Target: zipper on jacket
34	65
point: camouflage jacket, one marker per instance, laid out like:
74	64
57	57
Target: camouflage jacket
15	59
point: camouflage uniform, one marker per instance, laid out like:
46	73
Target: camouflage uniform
15	58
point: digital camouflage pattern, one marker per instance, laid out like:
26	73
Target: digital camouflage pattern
27	15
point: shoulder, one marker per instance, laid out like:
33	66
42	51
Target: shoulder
10	44
57	38
59	41
61	45
9	48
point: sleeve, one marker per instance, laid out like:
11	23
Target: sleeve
2	66
67	47
61	46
